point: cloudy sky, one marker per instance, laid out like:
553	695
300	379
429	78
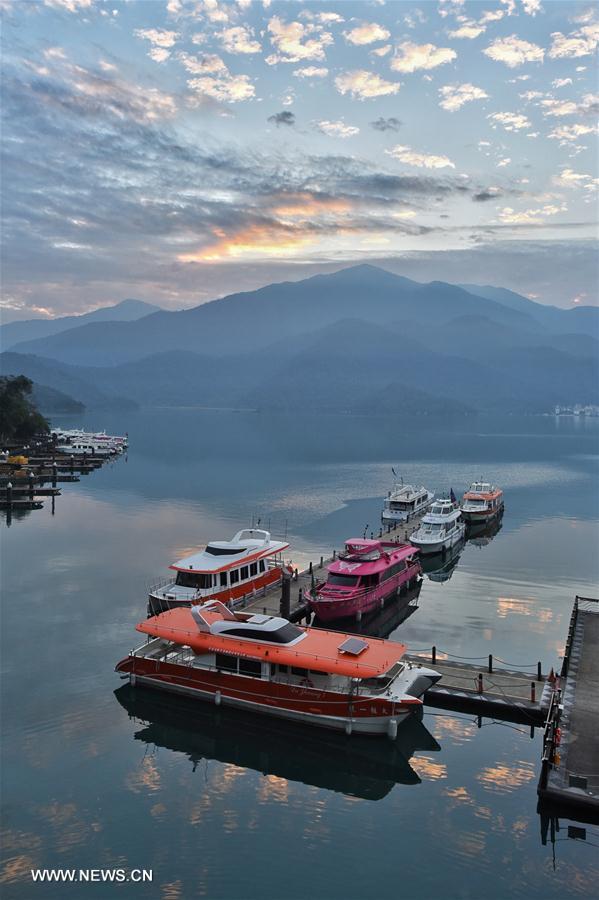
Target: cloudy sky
178	150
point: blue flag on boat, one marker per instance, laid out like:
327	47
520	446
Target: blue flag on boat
452	496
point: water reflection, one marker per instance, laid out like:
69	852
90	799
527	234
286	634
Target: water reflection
363	768
439	567
382	622
482	533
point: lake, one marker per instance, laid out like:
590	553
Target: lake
224	805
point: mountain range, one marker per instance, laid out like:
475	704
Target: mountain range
32	329
358	340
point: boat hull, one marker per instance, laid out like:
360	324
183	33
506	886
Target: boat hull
432	547
161	600
296	703
327	608
479	516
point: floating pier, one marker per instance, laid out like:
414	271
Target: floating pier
570	764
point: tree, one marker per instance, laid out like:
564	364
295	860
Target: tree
19	418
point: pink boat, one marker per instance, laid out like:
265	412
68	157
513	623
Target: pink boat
362	578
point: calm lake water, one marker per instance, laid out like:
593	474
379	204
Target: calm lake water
221	805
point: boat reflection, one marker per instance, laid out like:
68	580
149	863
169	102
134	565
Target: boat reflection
358	766
384	621
440	567
483	533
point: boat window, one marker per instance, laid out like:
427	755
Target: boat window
224	551
194	580
345	580
254	569
284	669
370	580
283	635
302	673
234	576
227	662
262	565
244	572
250	667
393	570
223	579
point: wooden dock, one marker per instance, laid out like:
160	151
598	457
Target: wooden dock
570	764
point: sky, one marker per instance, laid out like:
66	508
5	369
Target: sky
180	150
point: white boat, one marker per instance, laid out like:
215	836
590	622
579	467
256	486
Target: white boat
404	502
440	528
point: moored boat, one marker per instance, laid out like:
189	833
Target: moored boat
269	665
228	571
404	502
362	577
440	528
481	502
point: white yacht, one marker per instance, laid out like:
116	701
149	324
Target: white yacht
404	502
440	528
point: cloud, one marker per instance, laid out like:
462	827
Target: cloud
69	5
570	179
532	7
363	85
487	194
454	96
337	129
386	124
468	29
366	33
529	216
238	39
504	162
561	82
311	72
161	41
510	121
420	160
570	133
513	51
296	42
208	64
381	51
224	87
412	57
587	105
579	43
282	118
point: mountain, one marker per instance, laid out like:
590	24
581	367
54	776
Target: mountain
33	329
360	340
53	403
67	380
577	320
257	319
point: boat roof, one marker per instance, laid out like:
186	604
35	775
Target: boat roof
482	490
319	650
370	556
407	491
247	545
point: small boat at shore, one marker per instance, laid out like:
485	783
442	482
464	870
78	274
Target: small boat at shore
362	577
404	502
481	502
228	571
267	664
440	528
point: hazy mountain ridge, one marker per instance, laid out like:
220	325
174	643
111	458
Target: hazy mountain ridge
35	329
361	339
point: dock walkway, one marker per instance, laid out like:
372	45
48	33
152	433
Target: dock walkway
570	765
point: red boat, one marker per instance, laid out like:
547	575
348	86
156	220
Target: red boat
269	665
362	578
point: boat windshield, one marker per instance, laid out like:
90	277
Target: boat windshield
438	510
194	580
345	580
479	504
432	528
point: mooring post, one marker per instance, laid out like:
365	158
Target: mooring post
479	721
490	664
54	467
480	682
30	476
321	561
285	605
334	554
434	655
539	674
9	494
532	692
310	567
72	463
